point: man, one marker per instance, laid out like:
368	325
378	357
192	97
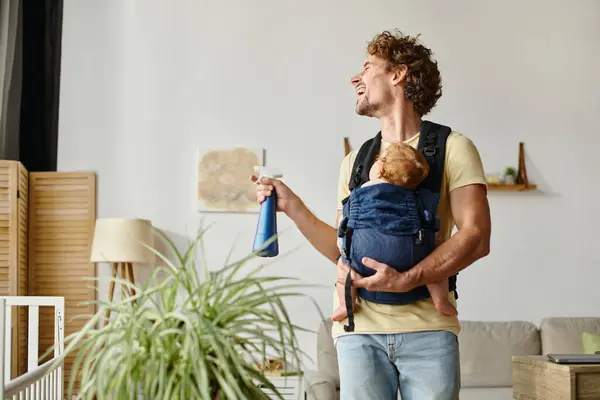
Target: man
411	348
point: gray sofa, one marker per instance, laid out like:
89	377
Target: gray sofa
486	349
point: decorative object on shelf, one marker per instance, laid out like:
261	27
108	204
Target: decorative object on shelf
522	173
122	242
346	146
223	183
509	176
276	367
271	366
518	182
492	179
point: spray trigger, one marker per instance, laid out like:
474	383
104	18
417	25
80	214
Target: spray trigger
268	172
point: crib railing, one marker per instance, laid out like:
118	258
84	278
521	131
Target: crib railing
40	381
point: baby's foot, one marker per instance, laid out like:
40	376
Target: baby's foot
339	315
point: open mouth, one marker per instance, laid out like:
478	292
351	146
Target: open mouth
360	90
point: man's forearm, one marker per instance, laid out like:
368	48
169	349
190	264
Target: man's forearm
454	255
321	236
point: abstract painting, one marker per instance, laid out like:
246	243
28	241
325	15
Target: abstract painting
224	180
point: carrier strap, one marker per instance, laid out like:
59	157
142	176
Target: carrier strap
348	297
364	160
432	143
348	283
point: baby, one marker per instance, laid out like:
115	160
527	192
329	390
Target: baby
401	165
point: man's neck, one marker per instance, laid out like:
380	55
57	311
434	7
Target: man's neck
400	125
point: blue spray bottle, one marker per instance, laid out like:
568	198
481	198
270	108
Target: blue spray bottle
267	219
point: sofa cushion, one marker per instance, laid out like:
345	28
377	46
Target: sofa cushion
319	386
504	393
326	352
486	350
591	343
564	335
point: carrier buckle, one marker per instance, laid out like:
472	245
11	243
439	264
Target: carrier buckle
429	151
419	240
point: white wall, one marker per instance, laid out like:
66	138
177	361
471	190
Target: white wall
144	83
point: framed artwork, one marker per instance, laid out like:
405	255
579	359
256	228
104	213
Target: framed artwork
223	183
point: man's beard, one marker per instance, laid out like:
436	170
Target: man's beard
364	107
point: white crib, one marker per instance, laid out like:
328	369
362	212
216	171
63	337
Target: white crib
40	381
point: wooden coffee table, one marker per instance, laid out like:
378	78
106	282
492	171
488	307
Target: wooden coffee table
534	377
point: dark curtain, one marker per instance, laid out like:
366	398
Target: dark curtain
41	53
10	116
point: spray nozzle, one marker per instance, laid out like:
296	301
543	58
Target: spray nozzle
268	172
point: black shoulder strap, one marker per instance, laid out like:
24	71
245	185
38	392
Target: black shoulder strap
432	142
363	161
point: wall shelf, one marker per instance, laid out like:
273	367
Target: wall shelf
510	188
522	181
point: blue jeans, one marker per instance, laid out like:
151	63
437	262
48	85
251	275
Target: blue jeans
422	365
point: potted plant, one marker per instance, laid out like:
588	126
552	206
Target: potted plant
184	337
510	176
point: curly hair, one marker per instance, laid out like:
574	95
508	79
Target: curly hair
403	165
423	82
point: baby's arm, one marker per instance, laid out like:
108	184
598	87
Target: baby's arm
439	295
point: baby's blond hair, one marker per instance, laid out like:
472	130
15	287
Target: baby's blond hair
403	165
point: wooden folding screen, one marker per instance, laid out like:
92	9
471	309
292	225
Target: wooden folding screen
46	230
13	253
62	215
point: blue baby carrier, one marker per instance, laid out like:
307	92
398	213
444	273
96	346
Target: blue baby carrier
390	224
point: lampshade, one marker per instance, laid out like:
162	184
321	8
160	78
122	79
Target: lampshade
117	240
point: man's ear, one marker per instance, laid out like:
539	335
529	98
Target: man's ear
399	74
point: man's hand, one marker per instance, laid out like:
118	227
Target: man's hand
322	236
471	213
385	279
287	200
341	273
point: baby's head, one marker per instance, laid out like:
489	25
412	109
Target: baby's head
402	165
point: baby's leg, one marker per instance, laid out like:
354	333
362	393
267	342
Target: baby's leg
439	295
341	313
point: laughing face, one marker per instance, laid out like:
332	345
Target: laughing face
374	87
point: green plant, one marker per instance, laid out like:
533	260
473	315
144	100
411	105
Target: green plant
180	337
510	171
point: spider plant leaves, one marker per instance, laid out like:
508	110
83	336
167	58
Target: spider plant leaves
182	337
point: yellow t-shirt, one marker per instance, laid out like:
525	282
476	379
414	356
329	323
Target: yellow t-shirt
462	167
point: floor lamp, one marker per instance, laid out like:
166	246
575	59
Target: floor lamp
119	241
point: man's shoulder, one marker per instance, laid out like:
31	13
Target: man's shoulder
348	160
344	177
463	162
458	139
459	145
